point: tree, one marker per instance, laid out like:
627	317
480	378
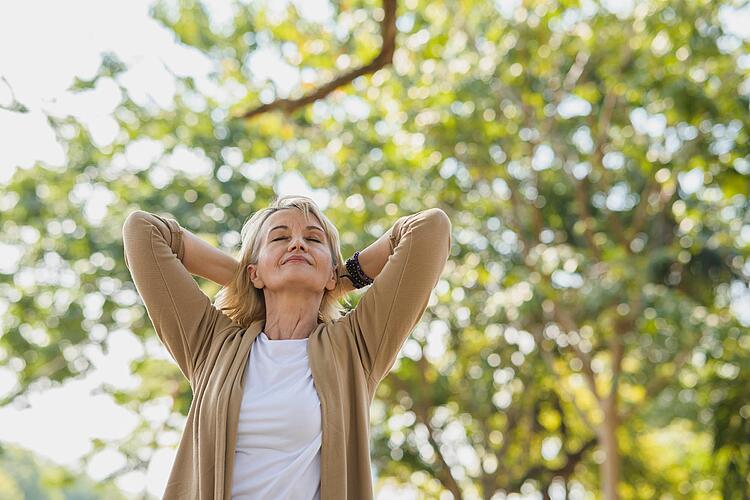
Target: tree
595	168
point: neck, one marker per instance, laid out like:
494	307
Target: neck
291	314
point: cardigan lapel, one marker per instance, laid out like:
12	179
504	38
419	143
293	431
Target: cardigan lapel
323	365
325	377
225	468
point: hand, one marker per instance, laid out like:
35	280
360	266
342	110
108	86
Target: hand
346	284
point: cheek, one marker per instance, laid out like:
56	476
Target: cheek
324	257
266	263
269	255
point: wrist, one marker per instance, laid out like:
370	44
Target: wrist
355	272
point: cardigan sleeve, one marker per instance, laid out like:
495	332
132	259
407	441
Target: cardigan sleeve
182	315
396	300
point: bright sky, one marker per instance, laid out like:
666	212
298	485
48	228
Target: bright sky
49	51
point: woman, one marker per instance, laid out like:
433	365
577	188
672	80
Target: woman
282	378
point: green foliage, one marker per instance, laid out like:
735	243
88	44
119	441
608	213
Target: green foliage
24	475
595	169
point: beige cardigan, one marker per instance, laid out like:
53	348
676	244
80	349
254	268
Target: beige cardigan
348	357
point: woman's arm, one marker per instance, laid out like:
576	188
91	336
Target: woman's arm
207	261
372	259
183	316
418	248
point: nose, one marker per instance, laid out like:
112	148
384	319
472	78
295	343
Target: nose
297	242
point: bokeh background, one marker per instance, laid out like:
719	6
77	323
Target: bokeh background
589	336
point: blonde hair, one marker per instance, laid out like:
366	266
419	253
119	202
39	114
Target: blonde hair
244	303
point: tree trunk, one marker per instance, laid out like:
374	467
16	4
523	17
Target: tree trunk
610	468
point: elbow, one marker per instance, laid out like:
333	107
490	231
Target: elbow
430	226
440	225
130	227
140	222
134	219
137	221
134	216
441	219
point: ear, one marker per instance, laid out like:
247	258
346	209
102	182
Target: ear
331	284
252	271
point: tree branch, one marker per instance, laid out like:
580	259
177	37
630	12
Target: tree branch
617	348
53	366
582	200
444	472
641	211
600	134
571	460
599	129
385	57
421	410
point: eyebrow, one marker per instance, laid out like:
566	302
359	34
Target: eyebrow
287	227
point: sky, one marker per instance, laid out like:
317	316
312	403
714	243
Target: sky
49	51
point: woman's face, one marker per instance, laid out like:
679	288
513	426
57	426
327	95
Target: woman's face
287	234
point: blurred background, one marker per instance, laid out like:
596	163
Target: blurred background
589	336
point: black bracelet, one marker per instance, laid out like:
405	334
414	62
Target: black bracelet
356	275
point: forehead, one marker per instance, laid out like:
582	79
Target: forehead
292	217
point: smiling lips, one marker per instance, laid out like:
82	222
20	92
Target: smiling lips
296	258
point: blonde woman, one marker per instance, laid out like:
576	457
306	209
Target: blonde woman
282	375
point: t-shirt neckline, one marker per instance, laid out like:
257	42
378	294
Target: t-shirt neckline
267	339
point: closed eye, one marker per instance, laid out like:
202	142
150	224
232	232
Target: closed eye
283	238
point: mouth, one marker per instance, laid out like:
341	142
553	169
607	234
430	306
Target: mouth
296	259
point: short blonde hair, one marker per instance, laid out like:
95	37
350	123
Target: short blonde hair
244	303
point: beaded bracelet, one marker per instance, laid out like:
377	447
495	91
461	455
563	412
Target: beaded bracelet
356	275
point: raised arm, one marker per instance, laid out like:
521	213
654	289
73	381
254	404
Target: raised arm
372	259
205	260
183	316
418	248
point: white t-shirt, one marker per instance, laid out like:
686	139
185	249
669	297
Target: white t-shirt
279	432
